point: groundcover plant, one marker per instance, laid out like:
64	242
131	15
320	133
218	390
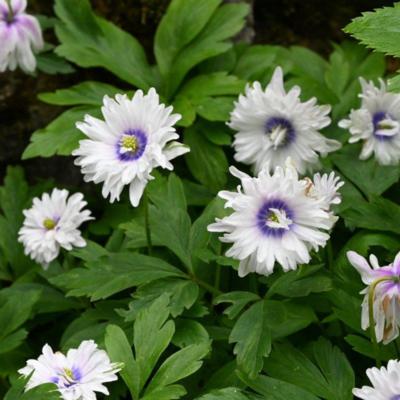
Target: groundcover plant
236	232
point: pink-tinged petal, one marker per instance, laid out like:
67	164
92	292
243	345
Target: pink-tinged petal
396	264
362	266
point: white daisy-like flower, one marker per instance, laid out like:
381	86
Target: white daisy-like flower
376	123
276	218
385	383
273	125
385	284
52	223
20	36
78	375
136	137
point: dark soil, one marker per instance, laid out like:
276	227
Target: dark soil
311	23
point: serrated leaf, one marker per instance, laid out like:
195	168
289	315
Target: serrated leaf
378	29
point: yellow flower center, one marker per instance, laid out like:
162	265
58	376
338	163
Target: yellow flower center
49	224
272	217
130	143
69	374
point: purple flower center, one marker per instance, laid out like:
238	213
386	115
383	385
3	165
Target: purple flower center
385	126
131	145
274	218
395	397
280	131
67	377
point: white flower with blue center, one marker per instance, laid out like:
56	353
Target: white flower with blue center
52	223
20	36
385	283
376	123
136	136
273	125
277	218
385	383
78	375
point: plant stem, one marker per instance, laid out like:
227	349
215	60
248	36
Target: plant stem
205	285
217	277
147	222
330	255
371	297
10	16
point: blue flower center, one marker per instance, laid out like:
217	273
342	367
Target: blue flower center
274	218
385	126
280	131
395	397
67	377
131	145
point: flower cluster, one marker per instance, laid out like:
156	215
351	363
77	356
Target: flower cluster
20	36
77	375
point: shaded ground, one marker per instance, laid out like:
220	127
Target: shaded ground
311	23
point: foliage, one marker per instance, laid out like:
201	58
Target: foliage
179	319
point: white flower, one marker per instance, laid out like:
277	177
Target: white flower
133	139
20	36
276	218
52	223
78	375
325	188
273	125
385	281
385	381
376	123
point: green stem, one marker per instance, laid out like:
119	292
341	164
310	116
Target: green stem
371	296
147	222
10	16
205	285
330	255
217	281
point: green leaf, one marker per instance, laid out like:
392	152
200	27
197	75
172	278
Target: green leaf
61	136
13	313
252	345
182	22
206	161
225	394
215	84
189	332
258	62
380	214
114	273
239	301
364	346
181	364
119	350
370	177
47	391
215	109
308	63
88	93
378	29
275	389
330	376
152	335
224	23
90	41
183	293
301	282
51	63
